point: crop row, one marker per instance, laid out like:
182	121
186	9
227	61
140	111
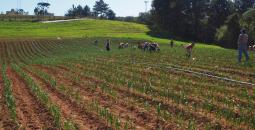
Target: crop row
43	97
25	51
104	74
107	90
92	106
10	101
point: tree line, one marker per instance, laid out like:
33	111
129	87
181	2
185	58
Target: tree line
100	9
208	21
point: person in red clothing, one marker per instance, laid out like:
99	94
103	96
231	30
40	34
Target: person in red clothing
189	49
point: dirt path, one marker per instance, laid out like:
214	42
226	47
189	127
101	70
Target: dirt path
59	21
71	110
5	119
31	114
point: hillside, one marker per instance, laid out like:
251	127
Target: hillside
74	29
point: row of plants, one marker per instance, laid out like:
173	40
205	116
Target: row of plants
115	95
228	114
175	56
44	98
211	85
92	106
112	88
157	74
10	100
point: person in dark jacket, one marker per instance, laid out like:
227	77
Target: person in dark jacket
107	45
243	45
172	44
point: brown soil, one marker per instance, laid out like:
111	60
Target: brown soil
6	122
201	117
126	112
31	114
84	119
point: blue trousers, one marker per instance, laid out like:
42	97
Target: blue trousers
242	49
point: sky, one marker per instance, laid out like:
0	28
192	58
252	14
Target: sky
60	7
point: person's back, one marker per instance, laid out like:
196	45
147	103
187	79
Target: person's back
243	45
243	39
107	46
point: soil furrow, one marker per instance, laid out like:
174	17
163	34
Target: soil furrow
71	110
6	122
115	104
31	114
198	115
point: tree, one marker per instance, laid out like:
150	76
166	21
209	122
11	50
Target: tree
78	11
144	18
248	22
86	11
110	15
219	10
179	18
42	8
100	9
167	15
243	5
227	35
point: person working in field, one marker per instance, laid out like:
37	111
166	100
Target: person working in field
107	45
189	49
242	45
172	44
96	42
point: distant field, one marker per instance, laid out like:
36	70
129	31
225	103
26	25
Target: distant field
71	83
29	18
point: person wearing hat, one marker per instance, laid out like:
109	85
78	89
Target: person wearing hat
189	49
243	45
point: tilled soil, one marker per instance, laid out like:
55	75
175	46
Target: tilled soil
6	122
31	114
83	119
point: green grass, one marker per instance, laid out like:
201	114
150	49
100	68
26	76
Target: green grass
80	29
74	29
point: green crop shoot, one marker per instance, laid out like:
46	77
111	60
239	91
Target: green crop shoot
8	94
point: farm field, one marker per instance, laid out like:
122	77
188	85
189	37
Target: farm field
69	83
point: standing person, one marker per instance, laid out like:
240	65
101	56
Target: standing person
189	49
172	43
107	45
242	45
96	42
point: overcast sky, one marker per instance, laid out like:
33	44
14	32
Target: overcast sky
60	7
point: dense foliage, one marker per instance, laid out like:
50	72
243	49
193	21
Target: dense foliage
100	9
202	20
42	8
79	11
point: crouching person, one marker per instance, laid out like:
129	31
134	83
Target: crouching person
189	49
